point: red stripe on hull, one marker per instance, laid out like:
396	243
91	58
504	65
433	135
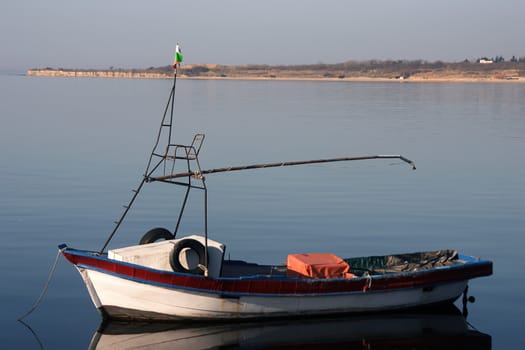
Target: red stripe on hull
277	286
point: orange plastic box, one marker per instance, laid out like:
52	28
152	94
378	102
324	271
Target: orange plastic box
318	265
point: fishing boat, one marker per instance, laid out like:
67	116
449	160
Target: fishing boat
173	276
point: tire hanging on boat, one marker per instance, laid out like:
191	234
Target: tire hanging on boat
190	244
156	234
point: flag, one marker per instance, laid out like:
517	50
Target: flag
178	56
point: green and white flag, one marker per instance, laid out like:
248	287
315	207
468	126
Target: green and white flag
178	56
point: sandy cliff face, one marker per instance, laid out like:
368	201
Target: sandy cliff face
95	74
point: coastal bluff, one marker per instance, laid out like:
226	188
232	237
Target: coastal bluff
69	73
417	71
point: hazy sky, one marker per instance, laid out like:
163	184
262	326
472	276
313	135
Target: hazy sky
140	33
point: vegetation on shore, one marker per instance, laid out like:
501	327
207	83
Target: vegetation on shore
482	69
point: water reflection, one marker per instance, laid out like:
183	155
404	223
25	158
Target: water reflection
443	329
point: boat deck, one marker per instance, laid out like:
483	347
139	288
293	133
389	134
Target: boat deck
370	265
239	268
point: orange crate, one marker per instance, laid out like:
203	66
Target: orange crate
318	265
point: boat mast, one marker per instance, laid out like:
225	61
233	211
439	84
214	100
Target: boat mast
166	130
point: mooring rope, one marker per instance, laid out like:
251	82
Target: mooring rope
46	285
37	338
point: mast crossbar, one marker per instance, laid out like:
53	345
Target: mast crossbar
199	174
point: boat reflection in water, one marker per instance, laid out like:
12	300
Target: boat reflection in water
444	329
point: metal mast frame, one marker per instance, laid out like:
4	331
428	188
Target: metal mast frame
166	160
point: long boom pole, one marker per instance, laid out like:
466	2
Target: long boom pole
201	173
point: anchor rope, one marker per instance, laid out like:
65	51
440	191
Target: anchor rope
368	283
46	286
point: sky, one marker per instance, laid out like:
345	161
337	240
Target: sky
100	34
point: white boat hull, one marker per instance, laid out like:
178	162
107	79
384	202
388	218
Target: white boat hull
123	298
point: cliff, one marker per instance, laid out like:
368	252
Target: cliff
351	71
132	74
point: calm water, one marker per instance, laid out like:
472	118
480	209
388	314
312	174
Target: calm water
72	150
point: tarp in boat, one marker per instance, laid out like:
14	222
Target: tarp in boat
405	262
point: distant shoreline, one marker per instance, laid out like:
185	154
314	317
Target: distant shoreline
508	72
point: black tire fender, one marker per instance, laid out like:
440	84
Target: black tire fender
194	245
156	234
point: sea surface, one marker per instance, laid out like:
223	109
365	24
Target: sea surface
73	149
